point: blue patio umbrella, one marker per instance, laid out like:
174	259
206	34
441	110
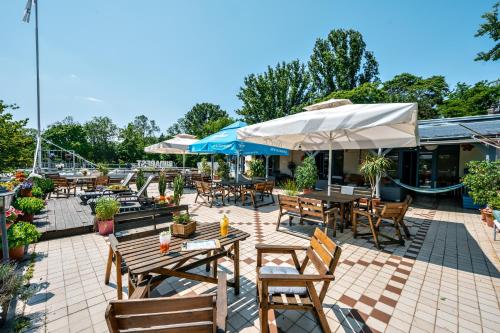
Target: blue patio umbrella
226	142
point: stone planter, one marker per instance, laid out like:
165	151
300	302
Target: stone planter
184	230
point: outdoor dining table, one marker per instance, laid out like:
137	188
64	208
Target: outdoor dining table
141	255
344	201
235	185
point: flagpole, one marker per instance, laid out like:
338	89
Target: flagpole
39	136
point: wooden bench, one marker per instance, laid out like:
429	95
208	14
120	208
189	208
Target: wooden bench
132	221
189	314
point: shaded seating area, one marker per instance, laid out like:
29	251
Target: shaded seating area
291	288
209	192
63	186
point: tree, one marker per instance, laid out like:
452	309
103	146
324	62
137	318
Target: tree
407	88
70	135
199	116
474	100
369	92
341	62
215	126
135	136
16	145
148	128
490	28
101	135
278	92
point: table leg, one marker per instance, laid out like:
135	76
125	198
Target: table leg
118	265
207	266
236	262
342	217
214	267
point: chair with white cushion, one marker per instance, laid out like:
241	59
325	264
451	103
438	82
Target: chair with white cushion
290	288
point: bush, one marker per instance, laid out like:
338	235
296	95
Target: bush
494	202
306	174
257	168
222	169
162	184
205	167
30	205
483	180
45	184
373	167
103	169
11	282
290	188
37	192
140	180
21	234
106	208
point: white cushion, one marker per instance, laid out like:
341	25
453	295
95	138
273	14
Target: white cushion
283	270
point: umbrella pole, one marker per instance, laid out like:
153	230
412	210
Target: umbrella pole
267	166
237	165
212	168
330	168
183	164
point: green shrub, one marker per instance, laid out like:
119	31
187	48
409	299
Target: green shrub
106	208
256	168
30	205
11	282
103	169
290	188
140	180
222	169
21	234
306	174
494	202
162	184
182	218
178	189
37	192
45	184
373	167
483	180
205	167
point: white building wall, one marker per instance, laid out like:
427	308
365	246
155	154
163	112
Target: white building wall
478	153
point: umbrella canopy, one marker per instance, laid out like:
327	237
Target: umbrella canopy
226	142
349	126
179	144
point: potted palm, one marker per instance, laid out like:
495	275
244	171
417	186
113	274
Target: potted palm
372	168
20	235
105	210
30	206
306	175
183	225
103	169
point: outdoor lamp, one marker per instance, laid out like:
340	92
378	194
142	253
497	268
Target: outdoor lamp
5	200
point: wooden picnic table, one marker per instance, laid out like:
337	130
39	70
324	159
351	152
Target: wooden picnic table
142	257
345	202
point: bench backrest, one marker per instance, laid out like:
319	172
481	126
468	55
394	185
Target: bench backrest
260	187
323	253
60	181
288	203
269	186
146	218
102	180
311	208
393	210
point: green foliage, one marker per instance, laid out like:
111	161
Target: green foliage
256	168
205	167
22	324
491	28
474	100
70	135
178	189
140	180
37	192
341	62
103	169
214	126
372	168
135	137
222	169
45	184
106	208
182	218
16	144
278	92
101	136
162	183
290	188
494	202
306	174
30	205
292	167
11	282
369	92
197	118
483	180
21	234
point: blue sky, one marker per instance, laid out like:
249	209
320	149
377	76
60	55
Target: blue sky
158	58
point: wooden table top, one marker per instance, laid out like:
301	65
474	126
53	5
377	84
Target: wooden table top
333	197
142	255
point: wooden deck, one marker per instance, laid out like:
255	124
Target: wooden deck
64	217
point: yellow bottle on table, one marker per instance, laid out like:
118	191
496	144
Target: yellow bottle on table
224	226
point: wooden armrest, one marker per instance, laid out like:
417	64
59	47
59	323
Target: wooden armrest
221	302
264	248
142	289
291	279
331	210
362	212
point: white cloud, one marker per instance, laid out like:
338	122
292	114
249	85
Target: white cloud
90	99
73	76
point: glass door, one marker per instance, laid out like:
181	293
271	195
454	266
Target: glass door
425	174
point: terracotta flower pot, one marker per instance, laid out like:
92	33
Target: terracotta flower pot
105	227
17	253
488	214
483	217
25	218
308	191
25	192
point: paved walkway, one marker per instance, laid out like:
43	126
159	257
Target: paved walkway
446	279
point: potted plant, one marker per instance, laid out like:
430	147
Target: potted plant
222	169
45	184
20	235
12	215
372	168
85	172
140	180
306	175
483	183
494	205
37	192
290	188
30	207
178	189
205	168
25	188
256	168
103	169
105	210
11	282
162	185
183	225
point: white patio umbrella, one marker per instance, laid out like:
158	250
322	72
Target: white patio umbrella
179	145
348	126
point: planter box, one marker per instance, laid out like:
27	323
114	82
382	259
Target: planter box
184	230
468	203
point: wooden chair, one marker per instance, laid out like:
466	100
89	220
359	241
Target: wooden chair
314	210
180	314
64	186
390	212
407	203
366	198
269	189
283	288
335	188
253	191
208	193
288	205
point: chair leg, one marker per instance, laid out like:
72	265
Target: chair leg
279	221
374	232
318	308
108	266
398	232
354	225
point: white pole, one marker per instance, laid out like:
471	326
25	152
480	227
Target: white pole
330	148
39	133
183	164
237	165
267	166
212	168
377	186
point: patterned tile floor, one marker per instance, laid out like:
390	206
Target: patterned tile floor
446	279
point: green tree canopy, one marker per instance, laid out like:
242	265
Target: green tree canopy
369	92
135	136
214	126
101	135
278	92
341	62
200	115
474	100
16	145
70	135
491	28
